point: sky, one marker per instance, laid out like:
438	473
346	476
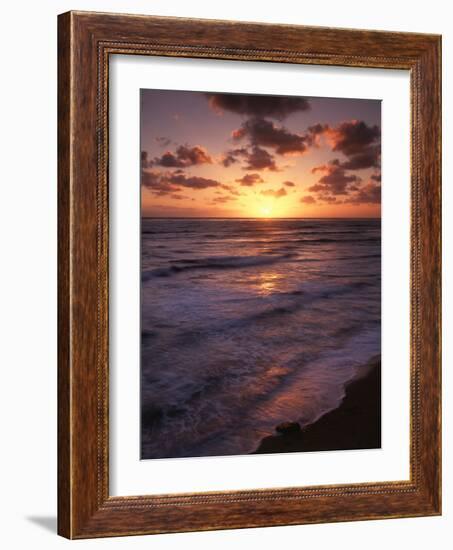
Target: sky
247	156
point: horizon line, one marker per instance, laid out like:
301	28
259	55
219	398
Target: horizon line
260	218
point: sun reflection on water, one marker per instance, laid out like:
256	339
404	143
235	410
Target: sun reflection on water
268	282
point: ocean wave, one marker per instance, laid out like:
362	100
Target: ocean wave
215	262
227	355
302	297
267	312
197	413
321	240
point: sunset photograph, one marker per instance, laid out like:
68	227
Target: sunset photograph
260	274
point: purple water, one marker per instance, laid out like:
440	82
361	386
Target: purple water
250	323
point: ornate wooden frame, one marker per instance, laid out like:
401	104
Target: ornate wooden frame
85	41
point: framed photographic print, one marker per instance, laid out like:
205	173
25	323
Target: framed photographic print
249	275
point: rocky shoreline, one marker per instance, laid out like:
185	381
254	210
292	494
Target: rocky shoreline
355	424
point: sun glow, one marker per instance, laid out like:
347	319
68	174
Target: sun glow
270	209
268	282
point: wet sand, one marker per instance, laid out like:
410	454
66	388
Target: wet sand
355	424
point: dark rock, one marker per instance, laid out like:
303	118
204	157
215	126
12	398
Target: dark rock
288	427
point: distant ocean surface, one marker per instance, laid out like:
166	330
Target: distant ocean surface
250	323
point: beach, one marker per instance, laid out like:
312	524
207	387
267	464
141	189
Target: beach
355	424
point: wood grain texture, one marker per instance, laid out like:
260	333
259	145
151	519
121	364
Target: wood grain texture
64	370
86	40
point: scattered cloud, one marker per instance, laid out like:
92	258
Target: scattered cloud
257	105
265	133
335	180
222	199
183	157
368	158
250	179
192	182
178	197
163	141
260	159
230	189
144	159
368	194
254	158
233	155
318	129
276	194
262	141
308	199
169	183
154	182
330	200
359	142
354	136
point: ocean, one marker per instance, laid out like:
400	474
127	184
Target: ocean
248	323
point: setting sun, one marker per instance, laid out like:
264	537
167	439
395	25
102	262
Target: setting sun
255	156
